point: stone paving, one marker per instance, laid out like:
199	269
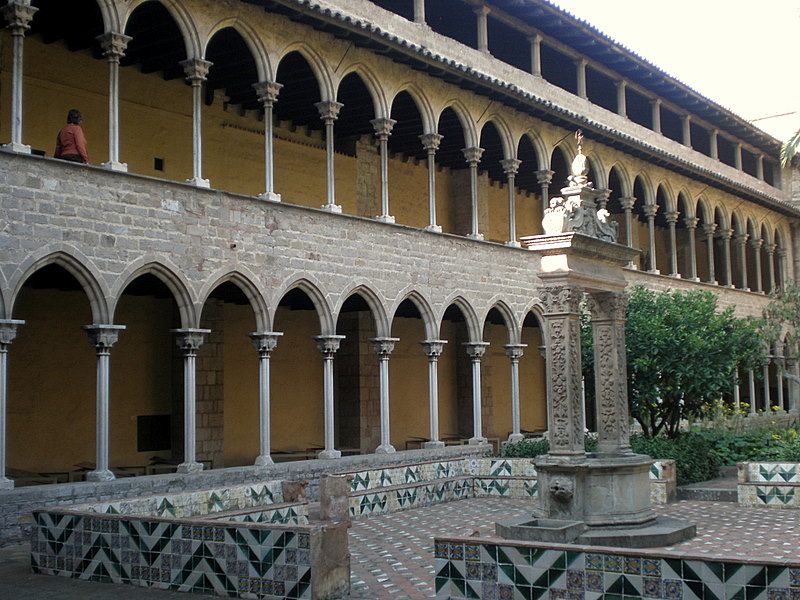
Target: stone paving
392	555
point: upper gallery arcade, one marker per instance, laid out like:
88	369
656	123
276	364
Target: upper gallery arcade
347	181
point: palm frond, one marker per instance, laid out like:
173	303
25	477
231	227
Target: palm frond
790	148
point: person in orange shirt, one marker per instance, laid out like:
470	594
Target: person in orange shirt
71	143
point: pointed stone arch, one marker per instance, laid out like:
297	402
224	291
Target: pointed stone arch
245	283
424	308
474	325
468	127
316	63
422	103
512	325
382	325
312	290
371	82
169	276
182	17
251	39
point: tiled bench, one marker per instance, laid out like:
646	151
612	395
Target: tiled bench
769	484
663	482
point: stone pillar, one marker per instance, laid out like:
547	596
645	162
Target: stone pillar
740	241
419	11
267	92
650	211
627	206
709	229
655	105
433	350
328	345
114	45
189	341
514	353
510	168
430	142
18	15
725	235
714	148
751	381
622	103
610	372
736	393
760	167
691	226
196	70
564	404
672	219
580	73
781	267
544	177
102	337
793	368
737	156
482	13
536	54
771	266
756	244
779	362
383	347
475	351
264	343
767	399
383	129
329	112
686	124
8	331
473	157
602	198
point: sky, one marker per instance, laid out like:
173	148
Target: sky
743	54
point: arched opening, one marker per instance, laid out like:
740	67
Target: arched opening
767	280
227	380
533	378
358	188
529	190
408	367
51	382
299	137
492	190
455	378
559	165
779	259
454	175
752	253
408	175
663	243
297	402
614	206
720	264
641	231
233	154
704	222
684	243
738	252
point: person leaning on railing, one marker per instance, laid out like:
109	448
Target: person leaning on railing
71	143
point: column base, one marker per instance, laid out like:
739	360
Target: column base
730	286
515	437
18	148
100	476
695	279
385	449
332	208
675	275
513	244
6	484
115	166
385	218
654	271
475	236
434	228
199	182
264	460
329	454
477	441
270	197
190	467
631	266
436	444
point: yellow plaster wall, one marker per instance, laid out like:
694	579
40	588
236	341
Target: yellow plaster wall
497	227
496	380
408	383
532	383
448	392
408	192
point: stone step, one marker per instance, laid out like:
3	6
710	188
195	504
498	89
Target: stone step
707	494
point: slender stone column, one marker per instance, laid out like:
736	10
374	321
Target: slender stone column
264	343
767	399
709	229
419	11
771	266
691	226
114	45
580	73
383	347
627	206
650	211
779	362
760	167
329	112
102	337
482	12
725	235
514	353
383	129
736	393
267	92
655	106
740	241
18	15
672	219
610	372
714	148
564	402
8	331
602	198
544	177
686	124
475	351
737	156
510	168
756	244
328	345
433	350
196	70
781	266
473	157
793	367
751	380
189	341
430	142
536	54
622	102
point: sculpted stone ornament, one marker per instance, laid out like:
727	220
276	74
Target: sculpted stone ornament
576	209
562	490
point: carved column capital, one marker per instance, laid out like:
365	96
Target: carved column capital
627	202
472	155
671	217
650	210
515	351
740	239
267	91
18	16
431	141
475	350
433	348
725	234
383	346
756	244
265	341
329	110
383	127
196	69
561	299
601	197
190	340
510	165
691	222
709	228
608	306
781	253
8	332
771	249
328	344
544	176
103	337
114	44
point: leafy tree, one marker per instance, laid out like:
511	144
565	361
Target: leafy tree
790	148
783	315
682	354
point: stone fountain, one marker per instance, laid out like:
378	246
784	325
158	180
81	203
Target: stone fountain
603	497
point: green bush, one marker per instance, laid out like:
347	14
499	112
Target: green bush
533	447
694	454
